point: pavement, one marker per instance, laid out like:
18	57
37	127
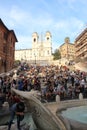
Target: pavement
81	66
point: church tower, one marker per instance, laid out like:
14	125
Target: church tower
35	39
42	48
48	37
48	44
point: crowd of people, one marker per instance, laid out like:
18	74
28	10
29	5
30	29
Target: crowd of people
48	80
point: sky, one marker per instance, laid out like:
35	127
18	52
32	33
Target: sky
63	18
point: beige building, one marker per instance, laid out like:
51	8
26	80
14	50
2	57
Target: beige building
67	50
41	51
81	45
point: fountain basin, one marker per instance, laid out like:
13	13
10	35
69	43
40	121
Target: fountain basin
76	113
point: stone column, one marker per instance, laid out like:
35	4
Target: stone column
80	96
57	98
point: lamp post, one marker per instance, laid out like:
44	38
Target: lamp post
35	58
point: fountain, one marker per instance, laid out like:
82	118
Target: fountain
49	116
43	118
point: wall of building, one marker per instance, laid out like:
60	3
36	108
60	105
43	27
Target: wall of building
81	45
7	47
67	49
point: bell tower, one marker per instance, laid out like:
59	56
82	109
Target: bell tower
35	39
48	43
48	37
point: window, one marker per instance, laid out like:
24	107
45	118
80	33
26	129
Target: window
34	39
13	44
5	36
48	52
11	51
47	38
4	49
1	35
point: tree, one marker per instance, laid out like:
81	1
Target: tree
16	63
56	54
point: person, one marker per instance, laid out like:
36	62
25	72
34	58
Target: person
18	110
12	99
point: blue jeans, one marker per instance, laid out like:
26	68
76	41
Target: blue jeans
18	122
11	120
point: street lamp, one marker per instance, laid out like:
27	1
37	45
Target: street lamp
35	58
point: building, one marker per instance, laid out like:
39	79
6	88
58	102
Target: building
7	48
81	45
67	50
41	52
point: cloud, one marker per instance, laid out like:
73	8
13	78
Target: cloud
70	27
24	42
45	3
15	15
69	24
20	19
18	14
60	17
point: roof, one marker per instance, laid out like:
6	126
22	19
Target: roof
83	32
1	23
12	31
66	43
9	31
23	49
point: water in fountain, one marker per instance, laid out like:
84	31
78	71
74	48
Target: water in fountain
76	113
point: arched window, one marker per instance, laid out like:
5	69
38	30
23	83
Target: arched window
34	39
48	52
47	38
